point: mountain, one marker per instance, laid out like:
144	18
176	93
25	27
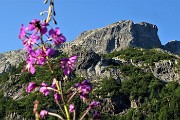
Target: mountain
114	37
118	36
173	46
133	74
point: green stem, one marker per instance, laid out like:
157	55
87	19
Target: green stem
59	87
65	106
60	108
67	112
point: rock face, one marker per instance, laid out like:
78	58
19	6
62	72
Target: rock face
164	71
173	47
11	58
118	36
15	116
90	65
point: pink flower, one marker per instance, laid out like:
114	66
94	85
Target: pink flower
71	108
40	57
31	87
94	104
84	96
50	51
29	42
36	24
57	97
43	28
37	57
44	89
57	37
67	64
33	24
29	66
43	113
54	84
22	32
84	88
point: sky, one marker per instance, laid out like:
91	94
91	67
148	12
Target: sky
76	16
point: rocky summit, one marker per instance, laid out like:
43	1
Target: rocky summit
118	36
173	46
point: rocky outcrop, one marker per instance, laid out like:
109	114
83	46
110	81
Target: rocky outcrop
15	116
11	58
165	71
90	65
118	36
173	47
116	105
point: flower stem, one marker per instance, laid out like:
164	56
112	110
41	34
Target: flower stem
65	106
74	115
72	96
59	87
67	112
85	113
60	108
44	49
54	114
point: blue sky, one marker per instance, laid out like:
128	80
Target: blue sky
76	16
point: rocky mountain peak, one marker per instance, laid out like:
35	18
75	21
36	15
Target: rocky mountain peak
118	36
173	46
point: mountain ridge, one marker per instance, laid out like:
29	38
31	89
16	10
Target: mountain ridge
113	37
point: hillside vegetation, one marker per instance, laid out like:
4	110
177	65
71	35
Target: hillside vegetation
139	96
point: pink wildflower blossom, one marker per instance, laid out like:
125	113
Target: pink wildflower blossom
57	97
57	37
29	66
71	108
94	104
29	42
31	87
44	89
43	113
84	88
36	24
67	64
50	51
22	32
54	84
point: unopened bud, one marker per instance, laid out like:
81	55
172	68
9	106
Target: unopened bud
54	13
54	21
41	13
45	1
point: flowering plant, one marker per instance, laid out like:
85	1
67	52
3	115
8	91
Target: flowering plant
33	38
